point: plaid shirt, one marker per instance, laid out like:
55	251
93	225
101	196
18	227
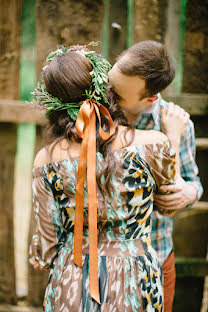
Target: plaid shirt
162	227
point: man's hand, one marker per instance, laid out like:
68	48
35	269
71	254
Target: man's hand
183	194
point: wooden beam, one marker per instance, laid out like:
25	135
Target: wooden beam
194	104
197	208
202	143
201	205
10	26
17	111
19	308
197	267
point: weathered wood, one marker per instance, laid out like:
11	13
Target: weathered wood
117	28
197	208
10	22
188	294
18	308
195	66
202	143
173	42
150	20
7	159
17	111
201	160
66	22
194	104
190	232
191	266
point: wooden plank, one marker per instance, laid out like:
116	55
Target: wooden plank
149	20
174	44
78	22
200	206
17	111
18	308
8	138
195	65
117	28
194	104
10	25
202	143
191	266
197	209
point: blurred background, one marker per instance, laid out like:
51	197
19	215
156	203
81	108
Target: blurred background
29	30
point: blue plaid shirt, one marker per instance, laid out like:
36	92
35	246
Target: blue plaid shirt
162	227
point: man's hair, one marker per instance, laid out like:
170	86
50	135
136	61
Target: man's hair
149	60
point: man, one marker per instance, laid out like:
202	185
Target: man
139	74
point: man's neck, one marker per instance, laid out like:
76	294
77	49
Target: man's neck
132	118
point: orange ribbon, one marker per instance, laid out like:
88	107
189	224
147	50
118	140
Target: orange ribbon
86	128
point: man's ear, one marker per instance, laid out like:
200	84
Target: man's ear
150	99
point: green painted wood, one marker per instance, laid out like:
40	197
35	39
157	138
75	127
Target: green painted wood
174	40
129	38
117	29
197	267
105	29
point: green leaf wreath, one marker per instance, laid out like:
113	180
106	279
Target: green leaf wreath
100	68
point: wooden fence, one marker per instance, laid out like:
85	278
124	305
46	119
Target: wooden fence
117	23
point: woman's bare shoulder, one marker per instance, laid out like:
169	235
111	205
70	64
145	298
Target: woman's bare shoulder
149	136
41	158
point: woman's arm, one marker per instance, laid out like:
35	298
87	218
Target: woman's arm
47	240
174	121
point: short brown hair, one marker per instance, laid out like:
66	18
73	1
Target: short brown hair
149	60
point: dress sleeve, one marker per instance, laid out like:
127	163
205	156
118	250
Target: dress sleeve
162	166
47	240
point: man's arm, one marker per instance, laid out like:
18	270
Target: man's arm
187	188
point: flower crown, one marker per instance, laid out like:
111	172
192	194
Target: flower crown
100	67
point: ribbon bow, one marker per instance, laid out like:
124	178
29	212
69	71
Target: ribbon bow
86	128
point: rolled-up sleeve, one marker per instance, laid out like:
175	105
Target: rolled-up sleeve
189	169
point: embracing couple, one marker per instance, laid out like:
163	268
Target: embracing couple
104	189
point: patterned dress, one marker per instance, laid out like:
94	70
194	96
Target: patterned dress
129	275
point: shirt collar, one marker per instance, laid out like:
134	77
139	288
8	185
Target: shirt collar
155	111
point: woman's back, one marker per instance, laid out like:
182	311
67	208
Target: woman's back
65	149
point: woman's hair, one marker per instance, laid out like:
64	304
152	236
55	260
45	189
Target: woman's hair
67	77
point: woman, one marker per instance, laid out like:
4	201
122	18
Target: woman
100	254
